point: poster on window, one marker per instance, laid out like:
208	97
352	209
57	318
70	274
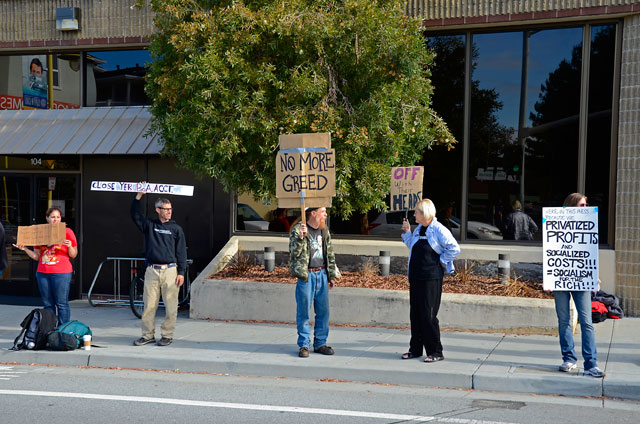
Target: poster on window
34	82
570	248
406	187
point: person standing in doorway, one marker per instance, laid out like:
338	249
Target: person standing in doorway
166	257
313	262
54	269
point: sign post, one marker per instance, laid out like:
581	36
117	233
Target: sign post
570	248
305	171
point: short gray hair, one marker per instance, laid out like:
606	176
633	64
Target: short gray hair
161	201
427	208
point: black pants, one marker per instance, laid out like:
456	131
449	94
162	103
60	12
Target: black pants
424	301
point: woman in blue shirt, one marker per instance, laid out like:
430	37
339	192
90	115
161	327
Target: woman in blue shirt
432	252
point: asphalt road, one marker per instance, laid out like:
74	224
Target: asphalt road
55	395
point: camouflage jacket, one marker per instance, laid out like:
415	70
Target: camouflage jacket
299	255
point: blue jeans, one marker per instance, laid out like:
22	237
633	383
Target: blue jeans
582	299
314	292
54	290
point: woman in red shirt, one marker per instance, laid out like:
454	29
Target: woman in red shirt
54	269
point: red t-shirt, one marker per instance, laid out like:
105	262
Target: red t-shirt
55	259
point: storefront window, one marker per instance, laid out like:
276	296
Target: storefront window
25	80
116	78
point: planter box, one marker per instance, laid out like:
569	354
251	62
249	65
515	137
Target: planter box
242	300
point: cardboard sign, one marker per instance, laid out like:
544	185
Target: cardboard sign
174	189
406	187
305	168
570	248
42	235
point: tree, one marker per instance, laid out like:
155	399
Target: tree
228	77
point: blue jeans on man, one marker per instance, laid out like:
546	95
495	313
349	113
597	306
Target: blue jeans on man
54	291
582	299
314	292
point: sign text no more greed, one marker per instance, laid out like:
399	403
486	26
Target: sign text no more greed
312	171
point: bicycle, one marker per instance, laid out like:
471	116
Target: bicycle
136	292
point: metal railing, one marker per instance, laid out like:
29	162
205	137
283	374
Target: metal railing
117	298
123	299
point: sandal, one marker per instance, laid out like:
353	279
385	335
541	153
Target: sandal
408	355
433	358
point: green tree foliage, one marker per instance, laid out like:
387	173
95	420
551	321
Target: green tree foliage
229	76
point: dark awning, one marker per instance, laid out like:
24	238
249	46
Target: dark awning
85	131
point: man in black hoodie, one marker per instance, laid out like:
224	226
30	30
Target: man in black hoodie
166	256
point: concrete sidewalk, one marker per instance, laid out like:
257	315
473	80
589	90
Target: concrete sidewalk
481	361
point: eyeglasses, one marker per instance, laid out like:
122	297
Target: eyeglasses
166	209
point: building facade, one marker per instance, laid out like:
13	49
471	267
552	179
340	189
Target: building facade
542	96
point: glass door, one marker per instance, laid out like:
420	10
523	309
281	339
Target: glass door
24	200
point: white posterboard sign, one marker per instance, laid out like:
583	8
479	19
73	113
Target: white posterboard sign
155	188
406	187
570	248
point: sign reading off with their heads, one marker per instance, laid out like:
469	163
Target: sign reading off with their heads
305	169
177	190
570	248
406	187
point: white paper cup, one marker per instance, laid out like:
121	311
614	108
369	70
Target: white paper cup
86	339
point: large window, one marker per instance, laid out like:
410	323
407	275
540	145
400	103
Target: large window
526	111
116	78
535	105
112	78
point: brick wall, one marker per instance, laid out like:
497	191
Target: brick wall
32	23
628	181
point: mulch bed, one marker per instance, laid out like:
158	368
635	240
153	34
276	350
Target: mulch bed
466	283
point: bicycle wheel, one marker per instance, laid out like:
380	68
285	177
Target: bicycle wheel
136	290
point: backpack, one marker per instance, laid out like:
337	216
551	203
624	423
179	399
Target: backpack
35	328
68	336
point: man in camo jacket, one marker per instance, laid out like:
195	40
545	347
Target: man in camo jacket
312	261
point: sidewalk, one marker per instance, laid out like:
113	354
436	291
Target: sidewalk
481	361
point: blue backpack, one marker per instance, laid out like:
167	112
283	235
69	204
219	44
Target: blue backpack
68	336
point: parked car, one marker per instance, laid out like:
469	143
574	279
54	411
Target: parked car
389	224
250	219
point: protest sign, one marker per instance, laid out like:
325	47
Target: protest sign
406	187
305	170
570	248
174	189
41	235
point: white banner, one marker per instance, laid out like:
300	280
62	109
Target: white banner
570	248
155	188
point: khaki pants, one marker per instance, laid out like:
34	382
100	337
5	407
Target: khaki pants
157	282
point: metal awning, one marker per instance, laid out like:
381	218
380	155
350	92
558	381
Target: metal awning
84	131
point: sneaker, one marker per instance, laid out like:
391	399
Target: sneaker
165	341
143	341
594	372
567	366
325	350
303	352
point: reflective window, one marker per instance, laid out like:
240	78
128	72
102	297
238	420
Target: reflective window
442	167
524	127
599	122
24	81
116	78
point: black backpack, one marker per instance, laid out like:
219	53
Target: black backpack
35	328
